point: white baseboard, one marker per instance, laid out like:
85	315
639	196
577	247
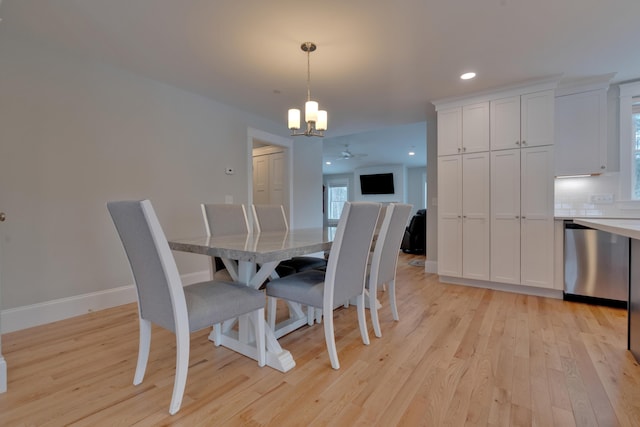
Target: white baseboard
15	319
505	287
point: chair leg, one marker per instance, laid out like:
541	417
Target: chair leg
330	338
261	344
143	350
182	366
216	334
362	320
311	315
271	312
373	309
392	299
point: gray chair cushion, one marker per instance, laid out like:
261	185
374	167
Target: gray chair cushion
213	302
304	288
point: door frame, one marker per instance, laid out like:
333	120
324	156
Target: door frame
287	146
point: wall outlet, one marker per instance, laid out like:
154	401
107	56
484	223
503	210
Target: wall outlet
601	198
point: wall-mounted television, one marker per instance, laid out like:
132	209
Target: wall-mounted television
379	183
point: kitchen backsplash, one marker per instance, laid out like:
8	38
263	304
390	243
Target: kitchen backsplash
594	196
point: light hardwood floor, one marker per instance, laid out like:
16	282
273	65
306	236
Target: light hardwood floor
458	356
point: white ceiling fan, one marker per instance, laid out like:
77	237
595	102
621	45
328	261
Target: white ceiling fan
346	154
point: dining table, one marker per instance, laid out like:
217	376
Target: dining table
251	259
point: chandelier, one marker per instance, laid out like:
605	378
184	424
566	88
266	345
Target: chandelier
315	119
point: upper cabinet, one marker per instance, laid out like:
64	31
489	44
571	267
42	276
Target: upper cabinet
450	131
581	133
523	121
463	129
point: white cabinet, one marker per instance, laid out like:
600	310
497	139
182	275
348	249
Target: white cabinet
522	121
450	131
475	127
522	238
536	177
581	133
505	216
463	129
463	216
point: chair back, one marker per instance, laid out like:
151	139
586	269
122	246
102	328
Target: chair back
225	219
158	283
347	264
269	218
385	254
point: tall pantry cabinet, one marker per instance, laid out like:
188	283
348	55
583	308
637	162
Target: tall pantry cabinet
495	186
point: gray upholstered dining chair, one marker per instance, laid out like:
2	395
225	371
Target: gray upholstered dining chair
224	220
344	278
164	301
272	218
385	259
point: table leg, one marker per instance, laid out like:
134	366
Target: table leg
241	340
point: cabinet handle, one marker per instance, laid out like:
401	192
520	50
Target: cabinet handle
459	149
517	142
464	148
602	167
524	217
517	217
524	142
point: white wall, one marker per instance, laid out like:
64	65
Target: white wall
416	178
76	134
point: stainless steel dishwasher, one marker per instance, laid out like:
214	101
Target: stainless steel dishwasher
596	265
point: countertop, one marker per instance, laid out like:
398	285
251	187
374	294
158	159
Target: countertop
622	227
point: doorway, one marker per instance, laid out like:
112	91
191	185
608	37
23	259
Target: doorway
270	164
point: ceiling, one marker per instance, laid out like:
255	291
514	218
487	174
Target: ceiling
379	63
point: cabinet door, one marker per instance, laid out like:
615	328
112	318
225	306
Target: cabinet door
581	133
475	127
475	216
537	119
537	217
450	131
450	216
505	216
505	123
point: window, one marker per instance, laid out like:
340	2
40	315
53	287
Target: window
630	141
337	194
635	136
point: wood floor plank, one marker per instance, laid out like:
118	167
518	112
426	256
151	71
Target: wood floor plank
458	356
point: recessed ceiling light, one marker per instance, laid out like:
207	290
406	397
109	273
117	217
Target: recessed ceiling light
327	163
412	153
467	76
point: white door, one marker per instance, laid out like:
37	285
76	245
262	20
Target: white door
505	216
475	216
261	180
537	216
450	216
277	178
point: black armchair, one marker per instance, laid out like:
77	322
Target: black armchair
414	238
